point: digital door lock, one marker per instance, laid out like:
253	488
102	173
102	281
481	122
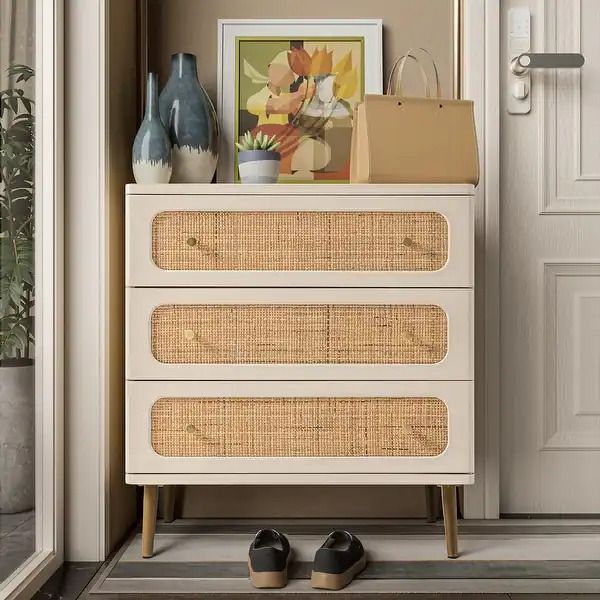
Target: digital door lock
521	61
548	60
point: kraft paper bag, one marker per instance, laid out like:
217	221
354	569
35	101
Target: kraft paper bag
400	139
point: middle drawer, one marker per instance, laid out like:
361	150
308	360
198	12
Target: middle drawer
235	334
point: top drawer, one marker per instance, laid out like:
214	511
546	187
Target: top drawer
299	241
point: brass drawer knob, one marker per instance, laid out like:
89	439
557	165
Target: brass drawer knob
192	241
193	430
189	334
409	336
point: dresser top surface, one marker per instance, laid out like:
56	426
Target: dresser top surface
346	189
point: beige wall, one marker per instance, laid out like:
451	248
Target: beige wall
191	26
122	125
271	502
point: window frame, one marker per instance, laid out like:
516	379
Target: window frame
49	275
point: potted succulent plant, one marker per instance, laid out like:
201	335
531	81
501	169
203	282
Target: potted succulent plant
17	293
258	161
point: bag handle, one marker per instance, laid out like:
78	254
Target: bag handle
400	64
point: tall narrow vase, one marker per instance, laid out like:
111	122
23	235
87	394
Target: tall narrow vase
191	121
151	154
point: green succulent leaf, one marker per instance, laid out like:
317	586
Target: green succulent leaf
261	141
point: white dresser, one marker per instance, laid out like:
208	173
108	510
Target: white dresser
298	335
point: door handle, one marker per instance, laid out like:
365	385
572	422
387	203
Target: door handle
546	60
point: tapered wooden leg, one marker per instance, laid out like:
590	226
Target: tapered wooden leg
450	519
431	502
169	493
149	520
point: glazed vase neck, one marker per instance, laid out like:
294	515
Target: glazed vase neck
183	65
152	97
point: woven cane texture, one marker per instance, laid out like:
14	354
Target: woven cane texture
299	333
294	427
299	241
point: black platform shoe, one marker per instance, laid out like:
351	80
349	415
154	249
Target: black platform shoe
268	559
338	561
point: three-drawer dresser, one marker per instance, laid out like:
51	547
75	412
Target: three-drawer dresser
299	335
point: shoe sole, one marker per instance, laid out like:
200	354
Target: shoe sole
337	581
269	579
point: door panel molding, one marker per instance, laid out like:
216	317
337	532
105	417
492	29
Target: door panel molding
571	339
564	188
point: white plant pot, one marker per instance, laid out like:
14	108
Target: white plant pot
17	438
259	166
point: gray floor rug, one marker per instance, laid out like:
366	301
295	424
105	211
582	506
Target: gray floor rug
208	557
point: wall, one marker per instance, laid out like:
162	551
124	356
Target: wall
315	502
100	122
121	127
84	352
191	26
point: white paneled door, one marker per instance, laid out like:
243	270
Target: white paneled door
550	263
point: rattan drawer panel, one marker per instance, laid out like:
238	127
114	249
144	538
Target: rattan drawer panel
299	333
296	427
299	241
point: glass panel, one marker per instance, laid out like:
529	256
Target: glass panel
17	291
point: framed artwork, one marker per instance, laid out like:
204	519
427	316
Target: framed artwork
298	80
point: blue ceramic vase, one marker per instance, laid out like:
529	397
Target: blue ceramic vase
191	121
151	154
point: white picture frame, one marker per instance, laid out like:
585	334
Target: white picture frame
229	30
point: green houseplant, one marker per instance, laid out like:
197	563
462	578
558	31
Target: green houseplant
17	146
258	159
17	292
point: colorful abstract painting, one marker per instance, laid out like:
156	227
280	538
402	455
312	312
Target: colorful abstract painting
304	92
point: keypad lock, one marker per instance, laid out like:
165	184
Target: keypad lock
521	61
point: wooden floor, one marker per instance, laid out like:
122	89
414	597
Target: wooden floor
207	559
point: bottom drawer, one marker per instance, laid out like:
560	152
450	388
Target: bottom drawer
299	427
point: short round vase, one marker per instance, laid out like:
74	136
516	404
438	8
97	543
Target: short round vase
191	121
258	166
151	154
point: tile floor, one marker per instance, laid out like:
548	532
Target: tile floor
68	582
17	540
